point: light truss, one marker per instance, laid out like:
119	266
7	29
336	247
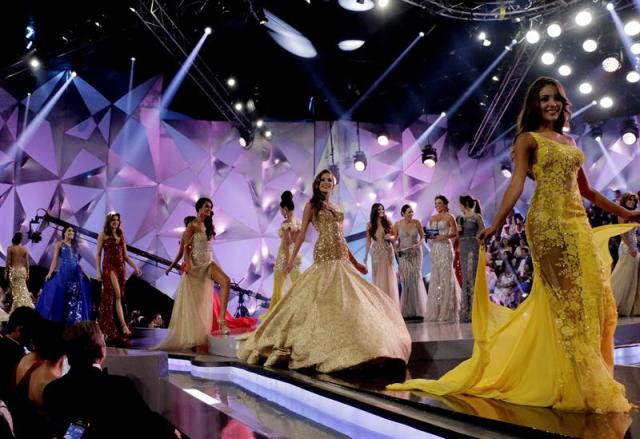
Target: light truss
492	10
154	16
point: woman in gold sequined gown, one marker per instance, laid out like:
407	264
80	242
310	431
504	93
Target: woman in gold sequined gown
192	312
17	272
331	318
556	349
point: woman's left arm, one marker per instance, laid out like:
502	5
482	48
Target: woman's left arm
128	259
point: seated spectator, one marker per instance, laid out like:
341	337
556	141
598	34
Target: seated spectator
12	347
109	405
519	252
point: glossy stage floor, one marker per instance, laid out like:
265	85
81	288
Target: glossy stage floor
214	395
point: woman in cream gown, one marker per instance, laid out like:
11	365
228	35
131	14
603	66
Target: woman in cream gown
331	318
625	279
379	242
191	318
556	349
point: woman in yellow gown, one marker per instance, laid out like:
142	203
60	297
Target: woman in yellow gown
331	318
556	349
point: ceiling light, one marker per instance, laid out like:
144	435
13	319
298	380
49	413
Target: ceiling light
589	45
585	88
635	48
383	3
495	78
564	70
632	28
335	170
611	64
207	30
268	134
533	36
259	123
356	5
629	132
238	106
610	6
34	63
554	30
486	43
548	58
360	161
231	82
74	74
633	76
429	156
583	18
349	45
383	139
482	36
606	102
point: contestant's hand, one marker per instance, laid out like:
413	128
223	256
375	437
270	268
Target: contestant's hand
485	235
186	267
361	268
137	271
633	252
47	277
99	276
168	270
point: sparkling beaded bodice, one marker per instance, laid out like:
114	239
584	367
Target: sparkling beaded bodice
200	249
331	244
408	235
67	256
443	230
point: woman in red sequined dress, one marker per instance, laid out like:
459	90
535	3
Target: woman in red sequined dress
111	272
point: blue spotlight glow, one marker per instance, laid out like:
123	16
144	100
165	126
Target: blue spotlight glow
382	77
175	83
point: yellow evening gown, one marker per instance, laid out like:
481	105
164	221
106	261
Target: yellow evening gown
556	349
331	318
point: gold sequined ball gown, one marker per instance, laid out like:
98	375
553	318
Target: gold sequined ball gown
18	284
556	349
331	318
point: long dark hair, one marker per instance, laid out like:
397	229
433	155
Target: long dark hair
373	221
286	201
530	119
107	220
470	203
210	230
74	241
317	199
444	200
17	238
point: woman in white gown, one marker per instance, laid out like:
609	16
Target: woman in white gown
443	297
192	312
625	279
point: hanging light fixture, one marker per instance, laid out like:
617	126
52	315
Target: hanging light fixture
359	158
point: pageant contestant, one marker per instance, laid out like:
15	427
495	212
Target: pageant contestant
332	318
625	280
556	349
413	302
241	323
66	295
443	303
380	240
111	271
192	315
470	223
288	233
17	272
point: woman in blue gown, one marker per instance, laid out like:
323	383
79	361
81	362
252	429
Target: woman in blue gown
66	296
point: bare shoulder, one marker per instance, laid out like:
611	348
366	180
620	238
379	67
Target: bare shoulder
525	141
569	139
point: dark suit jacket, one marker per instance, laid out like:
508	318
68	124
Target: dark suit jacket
10	355
110	404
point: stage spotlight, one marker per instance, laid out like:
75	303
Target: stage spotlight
632	28
482	36
533	36
251	105
360	161
564	70
231	82
505	168
629	132
589	45
429	156
443	114
34	63
633	76
238	106
383	3
585	88
596	132
548	58
255	6
583	18
635	48
611	64
421	34
133	59
259	123
383	139
486	43
610	6
554	30
495	78
74	74
606	102
268	134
